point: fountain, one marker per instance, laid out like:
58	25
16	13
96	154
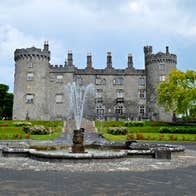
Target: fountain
77	96
100	148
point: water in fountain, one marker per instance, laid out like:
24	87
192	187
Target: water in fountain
77	97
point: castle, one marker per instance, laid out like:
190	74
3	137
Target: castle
130	93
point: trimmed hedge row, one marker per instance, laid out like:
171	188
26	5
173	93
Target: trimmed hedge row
134	124
37	130
187	130
117	131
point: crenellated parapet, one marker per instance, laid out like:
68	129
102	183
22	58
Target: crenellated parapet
160	57
32	53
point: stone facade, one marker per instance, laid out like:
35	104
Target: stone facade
39	87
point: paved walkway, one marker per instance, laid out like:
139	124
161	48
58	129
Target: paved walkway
22	178
164	182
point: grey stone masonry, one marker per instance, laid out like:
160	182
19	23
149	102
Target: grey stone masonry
129	93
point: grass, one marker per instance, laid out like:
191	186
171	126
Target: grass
13	132
150	131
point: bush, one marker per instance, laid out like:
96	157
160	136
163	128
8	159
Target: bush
130	137
134	123
140	136
172	137
37	130
4	125
184	130
117	131
21	124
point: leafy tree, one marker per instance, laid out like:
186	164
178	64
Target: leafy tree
6	102
178	93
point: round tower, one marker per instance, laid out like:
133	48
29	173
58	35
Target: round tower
157	66
30	83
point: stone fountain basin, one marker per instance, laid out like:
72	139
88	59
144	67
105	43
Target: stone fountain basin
159	151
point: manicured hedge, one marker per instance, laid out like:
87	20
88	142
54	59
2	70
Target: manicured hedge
117	130
37	130
187	130
134	124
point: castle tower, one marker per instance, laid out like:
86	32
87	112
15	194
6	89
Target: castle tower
30	83
157	66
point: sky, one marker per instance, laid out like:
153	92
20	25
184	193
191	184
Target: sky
97	26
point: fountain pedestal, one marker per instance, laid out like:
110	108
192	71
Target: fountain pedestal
78	141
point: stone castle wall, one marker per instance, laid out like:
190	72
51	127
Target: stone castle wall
39	87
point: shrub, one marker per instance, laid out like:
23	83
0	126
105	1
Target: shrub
130	137
183	130
165	130
148	137
134	123
172	137
4	125
159	123
140	136
21	124
161	137
117	130
6	137
37	130
27	136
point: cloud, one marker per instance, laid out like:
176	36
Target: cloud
96	25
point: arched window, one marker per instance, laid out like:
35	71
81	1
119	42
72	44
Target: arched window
119	109
100	109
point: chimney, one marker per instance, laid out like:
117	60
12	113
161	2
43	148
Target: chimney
69	58
130	61
89	60
167	50
65	63
109	60
46	46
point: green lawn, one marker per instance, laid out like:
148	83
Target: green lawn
149	131
13	132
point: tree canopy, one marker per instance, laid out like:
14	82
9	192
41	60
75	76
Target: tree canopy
178	93
6	102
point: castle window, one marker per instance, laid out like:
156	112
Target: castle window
162	78
99	93
100	81
30	65
59	78
142	110
29	98
141	93
118	81
100	109
119	109
141	81
120	93
30	76
161	67
59	98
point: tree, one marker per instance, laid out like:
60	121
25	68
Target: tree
6	102
178	93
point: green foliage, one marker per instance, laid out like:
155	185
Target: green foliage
117	130
178	93
6	102
180	130
21	124
37	130
134	123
